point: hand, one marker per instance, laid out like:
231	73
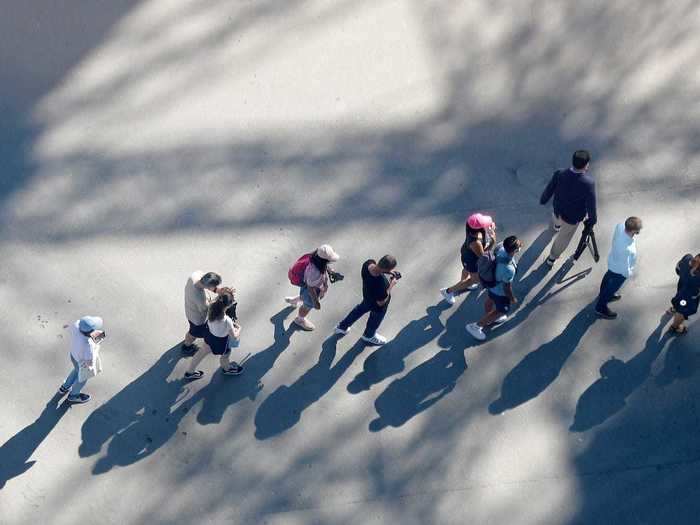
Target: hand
317	304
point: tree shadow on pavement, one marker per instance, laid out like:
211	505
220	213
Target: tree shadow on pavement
618	380
282	409
223	391
388	360
16	451
418	390
542	366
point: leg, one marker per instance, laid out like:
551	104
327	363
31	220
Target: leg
224	360
189	339
304	311
677	321
375	319
72	377
562	240
76	388
197	358
489	305
468	279
357	312
609	286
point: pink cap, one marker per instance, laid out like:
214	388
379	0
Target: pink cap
477	221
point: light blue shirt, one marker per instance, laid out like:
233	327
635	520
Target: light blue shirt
505	272
623	252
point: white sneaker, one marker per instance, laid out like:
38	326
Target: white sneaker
304	324
500	320
550	262
473	287
294	301
376	340
476	331
447	296
339	331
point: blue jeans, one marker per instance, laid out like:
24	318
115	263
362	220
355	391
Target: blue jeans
376	316
611	283
72	380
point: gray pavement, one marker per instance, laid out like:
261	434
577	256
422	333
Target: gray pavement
142	140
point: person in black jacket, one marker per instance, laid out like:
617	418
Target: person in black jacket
574	200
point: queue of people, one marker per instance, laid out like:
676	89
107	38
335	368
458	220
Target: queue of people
210	307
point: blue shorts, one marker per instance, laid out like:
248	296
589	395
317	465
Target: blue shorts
306	296
198	330
502	302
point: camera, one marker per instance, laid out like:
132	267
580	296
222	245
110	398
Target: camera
335	276
396	275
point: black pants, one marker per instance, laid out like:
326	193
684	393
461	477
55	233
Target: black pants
611	283
376	315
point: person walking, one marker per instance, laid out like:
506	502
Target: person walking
685	302
574	200
314	283
378	280
223	334
500	297
86	334
198	288
621	262
480	237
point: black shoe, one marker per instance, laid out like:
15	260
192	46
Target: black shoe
606	314
79	399
189	349
615	297
191	376
63	390
234	369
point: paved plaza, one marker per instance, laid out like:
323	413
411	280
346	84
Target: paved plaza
141	140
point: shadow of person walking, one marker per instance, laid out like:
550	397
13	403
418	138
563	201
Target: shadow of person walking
16	451
222	391
618	380
418	390
681	361
388	360
282	409
542	366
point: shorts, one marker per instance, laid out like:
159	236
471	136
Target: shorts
469	259
198	330
502	302
218	345
690	308
306	296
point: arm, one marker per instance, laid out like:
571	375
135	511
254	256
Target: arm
549	189
392	283
591	210
477	248
508	288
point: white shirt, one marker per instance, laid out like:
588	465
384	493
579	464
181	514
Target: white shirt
83	349
221	327
623	252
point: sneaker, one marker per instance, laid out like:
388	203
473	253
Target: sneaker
191	376
294	301
79	399
556	227
63	390
473	287
304	324
234	369
189	349
476	331
615	297
339	331
447	296
500	320
376	340
550	262
606	314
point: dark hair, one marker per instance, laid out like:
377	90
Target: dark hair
511	243
388	262
580	159
210	279
219	306
473	231
319	262
633	223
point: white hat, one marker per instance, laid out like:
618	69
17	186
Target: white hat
326	252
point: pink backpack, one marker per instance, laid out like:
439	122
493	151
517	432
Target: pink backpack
296	271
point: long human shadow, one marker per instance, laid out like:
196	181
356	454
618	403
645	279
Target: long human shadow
538	369
223	392
681	362
418	390
389	359
282	409
16	451
618	380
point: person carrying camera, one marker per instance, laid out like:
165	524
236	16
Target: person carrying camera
574	200
314	283
223	334
480	237
685	302
378	279
86	336
500	296
621	262
196	306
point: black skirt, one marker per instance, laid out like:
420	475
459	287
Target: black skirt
218	345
